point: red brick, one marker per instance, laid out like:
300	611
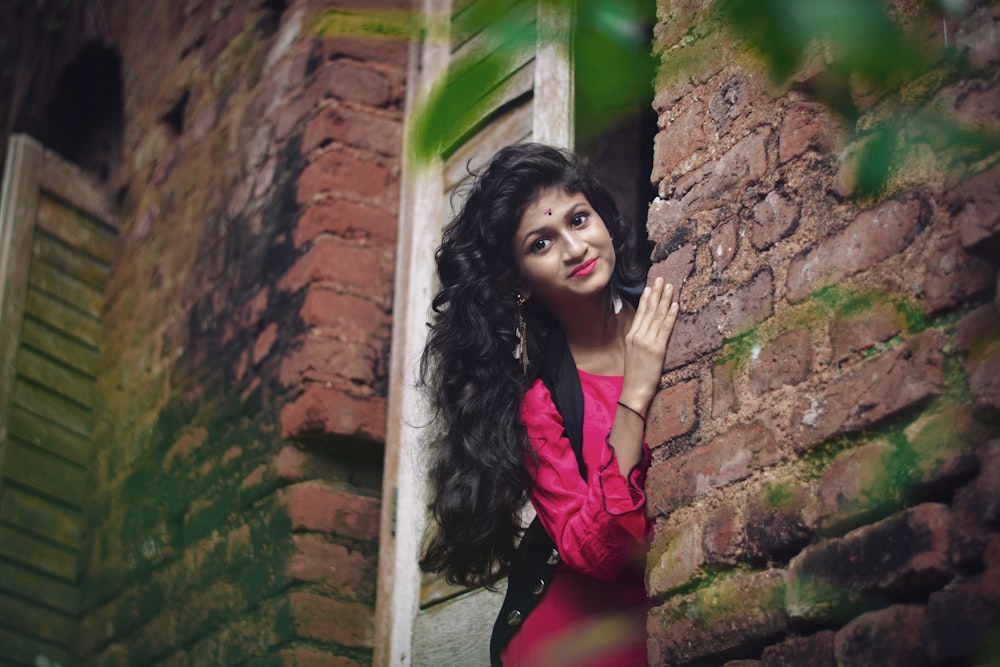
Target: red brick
672	413
679	139
185	446
723	181
938	448
977	328
723	537
725	316
733	98
115	655
664	220
317	506
675	557
987	484
724	397
779	521
975	507
347	317
177	659
975	205
859	486
361	128
334	264
291	464
265	341
990	578
323	412
877	388
384	51
978	106
735	615
905	555
723	244
725	459
321	618
675	269
953	274
207	609
961	620
816	650
805	125
788	359
875	235
857	332
225	31
357	82
307	657
896	635
337	364
239	545
338	173
347	219
155	639
774	218
983	368
340	571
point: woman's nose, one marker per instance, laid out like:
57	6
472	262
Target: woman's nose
574	247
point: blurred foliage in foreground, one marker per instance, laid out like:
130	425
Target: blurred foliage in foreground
612	59
861	48
857	42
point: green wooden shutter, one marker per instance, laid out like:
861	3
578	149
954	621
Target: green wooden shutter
57	235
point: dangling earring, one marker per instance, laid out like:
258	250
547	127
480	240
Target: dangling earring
616	303
521	348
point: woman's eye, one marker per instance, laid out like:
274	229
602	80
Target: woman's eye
579	220
540	245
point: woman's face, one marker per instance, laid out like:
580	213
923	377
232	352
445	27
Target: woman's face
562	250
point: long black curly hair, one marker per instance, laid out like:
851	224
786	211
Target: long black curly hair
479	480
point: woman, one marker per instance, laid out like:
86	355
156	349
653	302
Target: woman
537	262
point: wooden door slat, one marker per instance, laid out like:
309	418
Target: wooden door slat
77	230
24	651
41	516
52	280
25	582
57	378
77	354
35	620
53	407
62	318
49	436
39	470
83	267
22	547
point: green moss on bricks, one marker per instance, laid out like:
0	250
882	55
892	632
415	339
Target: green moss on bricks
780	496
730	594
825	305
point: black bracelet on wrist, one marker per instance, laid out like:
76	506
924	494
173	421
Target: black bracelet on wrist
634	411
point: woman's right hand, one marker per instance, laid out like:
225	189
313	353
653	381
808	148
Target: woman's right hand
646	344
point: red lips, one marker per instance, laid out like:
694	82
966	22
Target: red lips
584	269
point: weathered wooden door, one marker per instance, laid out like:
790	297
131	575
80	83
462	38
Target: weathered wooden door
57	233
421	620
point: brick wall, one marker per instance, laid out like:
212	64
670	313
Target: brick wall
239	431
825	481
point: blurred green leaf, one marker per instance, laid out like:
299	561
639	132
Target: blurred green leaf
613	63
457	104
875	161
856	35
